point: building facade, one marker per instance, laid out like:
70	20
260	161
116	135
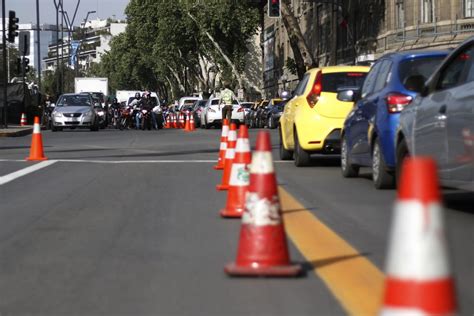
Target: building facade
92	41
360	31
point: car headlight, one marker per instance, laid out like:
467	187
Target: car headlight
57	114
101	113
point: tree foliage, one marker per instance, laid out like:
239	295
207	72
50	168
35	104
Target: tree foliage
179	46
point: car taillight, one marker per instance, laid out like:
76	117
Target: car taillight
396	102
240	110
315	92
211	110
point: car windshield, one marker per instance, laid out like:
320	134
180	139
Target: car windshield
331	82
215	101
74	100
98	95
418	66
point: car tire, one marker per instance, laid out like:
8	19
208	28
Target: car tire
402	153
284	153
347	168
302	157
54	128
381	177
95	127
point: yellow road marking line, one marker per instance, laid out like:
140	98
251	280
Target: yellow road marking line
352	279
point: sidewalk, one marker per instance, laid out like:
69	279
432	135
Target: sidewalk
16	131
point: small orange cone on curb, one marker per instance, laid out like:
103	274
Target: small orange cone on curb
229	158
36	150
263	249
23	119
239	176
223	145
418	280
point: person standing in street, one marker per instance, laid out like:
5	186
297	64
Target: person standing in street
227	97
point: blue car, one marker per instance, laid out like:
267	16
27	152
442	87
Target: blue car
368	137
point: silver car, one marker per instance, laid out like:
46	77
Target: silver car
440	121
74	111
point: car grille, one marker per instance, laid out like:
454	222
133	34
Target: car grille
72	114
71	123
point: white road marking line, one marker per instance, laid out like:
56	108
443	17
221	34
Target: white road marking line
20	173
131	161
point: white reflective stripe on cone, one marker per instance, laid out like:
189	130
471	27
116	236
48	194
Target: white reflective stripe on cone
417	247
242	145
239	175
225	130
230	153
261	211
262	162
232	135
36	129
402	312
223	146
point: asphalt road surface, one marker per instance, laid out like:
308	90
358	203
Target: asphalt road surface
127	223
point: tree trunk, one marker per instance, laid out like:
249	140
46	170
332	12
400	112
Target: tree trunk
303	56
178	80
241	77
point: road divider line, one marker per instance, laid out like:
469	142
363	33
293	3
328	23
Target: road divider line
23	172
355	281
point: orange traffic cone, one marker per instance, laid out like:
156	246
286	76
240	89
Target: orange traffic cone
186	125
192	126
36	150
175	124
418	278
167	122
239	176
182	120
263	249
229	158
23	119
223	145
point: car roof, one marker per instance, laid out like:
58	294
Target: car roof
335	69
410	54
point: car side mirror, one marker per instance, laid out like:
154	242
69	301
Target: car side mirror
415	83
348	95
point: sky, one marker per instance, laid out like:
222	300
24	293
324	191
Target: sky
26	9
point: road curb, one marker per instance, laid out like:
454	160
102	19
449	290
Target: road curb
16	133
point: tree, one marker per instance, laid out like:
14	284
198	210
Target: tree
303	56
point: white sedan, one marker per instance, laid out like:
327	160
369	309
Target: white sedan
212	113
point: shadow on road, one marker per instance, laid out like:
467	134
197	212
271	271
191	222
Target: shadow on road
160	154
316	264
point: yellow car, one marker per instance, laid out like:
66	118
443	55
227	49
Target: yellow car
312	120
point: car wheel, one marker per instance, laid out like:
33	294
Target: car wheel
381	177
302	157
284	154
95	127
402	154
347	168
54	128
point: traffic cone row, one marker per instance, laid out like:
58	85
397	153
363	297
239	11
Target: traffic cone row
229	158
418	280
223	146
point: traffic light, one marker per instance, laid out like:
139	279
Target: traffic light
26	67
274	8
12	26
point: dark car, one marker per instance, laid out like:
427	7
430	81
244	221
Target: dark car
368	137
255	112
439	123
272	109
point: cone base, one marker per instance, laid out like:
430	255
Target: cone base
36	159
217	167
274	271
222	187
231	213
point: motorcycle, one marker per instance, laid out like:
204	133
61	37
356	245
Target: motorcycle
125	118
145	119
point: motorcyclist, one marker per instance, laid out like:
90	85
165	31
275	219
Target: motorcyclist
136	105
146	104
114	111
227	97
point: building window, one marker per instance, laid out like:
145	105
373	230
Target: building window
468	8
400	13
427	11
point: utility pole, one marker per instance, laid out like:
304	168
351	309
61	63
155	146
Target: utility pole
5	80
57	47
38	48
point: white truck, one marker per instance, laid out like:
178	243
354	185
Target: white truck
95	86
